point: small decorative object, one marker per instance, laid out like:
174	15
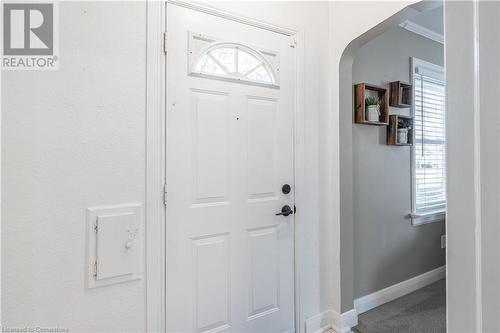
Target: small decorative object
379	97
400	130
372	108
403	135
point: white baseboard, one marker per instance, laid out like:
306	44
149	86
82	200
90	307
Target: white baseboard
331	320
320	323
346	321
388	294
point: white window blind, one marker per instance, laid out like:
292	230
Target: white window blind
429	151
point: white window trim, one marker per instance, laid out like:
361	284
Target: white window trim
436	72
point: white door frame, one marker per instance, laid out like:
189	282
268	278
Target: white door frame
155	153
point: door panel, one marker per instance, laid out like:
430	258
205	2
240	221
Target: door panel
264	271
211	282
210	146
261	145
229	150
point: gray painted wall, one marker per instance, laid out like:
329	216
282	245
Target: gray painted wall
432	19
387	248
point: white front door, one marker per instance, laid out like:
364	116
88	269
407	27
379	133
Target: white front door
230	133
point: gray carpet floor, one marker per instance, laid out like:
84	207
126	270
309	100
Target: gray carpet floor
423	311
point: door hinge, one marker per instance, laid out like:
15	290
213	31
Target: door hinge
94	269
165	194
165	42
96	228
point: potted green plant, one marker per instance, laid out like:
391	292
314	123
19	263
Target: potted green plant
372	104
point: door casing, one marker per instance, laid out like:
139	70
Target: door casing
156	156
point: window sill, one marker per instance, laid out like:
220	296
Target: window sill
419	219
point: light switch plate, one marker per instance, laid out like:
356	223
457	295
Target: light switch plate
114	244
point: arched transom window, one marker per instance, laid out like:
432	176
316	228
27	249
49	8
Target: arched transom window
235	62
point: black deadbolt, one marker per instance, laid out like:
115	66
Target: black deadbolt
286	189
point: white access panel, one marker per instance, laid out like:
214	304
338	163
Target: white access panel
115	243
116	253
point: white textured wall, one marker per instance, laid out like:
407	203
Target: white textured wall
73	138
489	51
461	218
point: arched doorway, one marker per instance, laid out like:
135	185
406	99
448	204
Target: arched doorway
356	207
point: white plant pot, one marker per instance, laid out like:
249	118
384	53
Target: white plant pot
402	135
372	113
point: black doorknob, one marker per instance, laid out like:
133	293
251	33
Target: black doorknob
286	189
285	211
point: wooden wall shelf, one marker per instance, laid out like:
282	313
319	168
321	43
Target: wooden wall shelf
399	121
400	96
361	91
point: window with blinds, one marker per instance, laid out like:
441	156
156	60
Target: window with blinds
429	151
